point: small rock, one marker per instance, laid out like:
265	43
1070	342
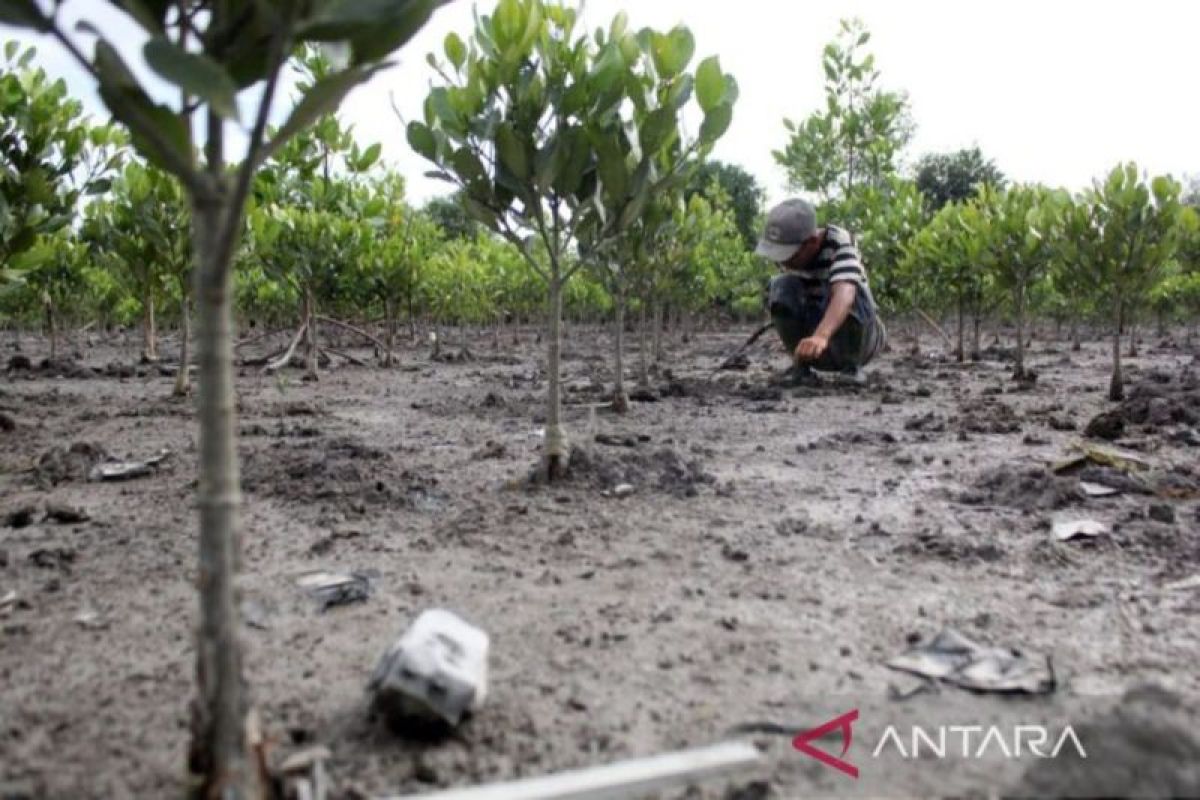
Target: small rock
21	517
65	514
1161	512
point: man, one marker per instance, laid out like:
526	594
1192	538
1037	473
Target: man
820	303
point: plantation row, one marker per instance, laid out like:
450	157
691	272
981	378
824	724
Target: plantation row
93	233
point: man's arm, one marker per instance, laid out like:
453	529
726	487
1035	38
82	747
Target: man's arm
841	300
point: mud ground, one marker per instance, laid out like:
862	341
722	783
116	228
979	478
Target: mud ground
779	546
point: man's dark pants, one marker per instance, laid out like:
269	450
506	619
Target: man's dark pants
797	307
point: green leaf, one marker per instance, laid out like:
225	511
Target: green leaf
479	211
322	97
469	167
710	84
657	131
393	29
156	131
195	74
422	140
672	52
613	172
10	49
512	152
23	14
456	51
548	163
150	14
716	124
369	157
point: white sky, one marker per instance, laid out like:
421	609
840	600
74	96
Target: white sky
1056	91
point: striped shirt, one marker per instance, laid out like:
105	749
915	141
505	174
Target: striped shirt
838	260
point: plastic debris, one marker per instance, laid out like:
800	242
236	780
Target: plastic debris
331	589
436	672
1118	459
126	470
952	657
1066	530
1097	489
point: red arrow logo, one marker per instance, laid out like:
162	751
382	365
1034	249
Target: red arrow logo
841	723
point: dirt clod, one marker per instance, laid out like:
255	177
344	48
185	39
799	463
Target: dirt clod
663	469
64	464
1147	746
1022	487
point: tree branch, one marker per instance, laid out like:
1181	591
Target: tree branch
279	48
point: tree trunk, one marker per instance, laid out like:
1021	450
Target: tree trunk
556	448
960	352
149	332
976	336
916	335
52	329
183	383
658	331
620	400
643	349
1133	350
218	749
1116	387
1019	373
1076	342
389	310
312	356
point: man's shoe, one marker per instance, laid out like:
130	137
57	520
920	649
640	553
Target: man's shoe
798	375
853	376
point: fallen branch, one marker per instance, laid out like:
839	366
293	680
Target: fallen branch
632	778
347	326
286	358
347	356
253	339
949	342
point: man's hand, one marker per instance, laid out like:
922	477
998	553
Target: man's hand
812	348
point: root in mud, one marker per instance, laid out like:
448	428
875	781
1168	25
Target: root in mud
663	470
1160	400
1022	487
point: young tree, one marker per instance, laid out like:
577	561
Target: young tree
548	133
1022	220
212	51
140	229
393	258
1072	274
857	139
1136	227
54	267
51	156
954	250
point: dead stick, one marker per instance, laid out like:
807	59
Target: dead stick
253	339
935	326
347	326
286	358
352	359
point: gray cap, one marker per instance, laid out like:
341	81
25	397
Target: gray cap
788	226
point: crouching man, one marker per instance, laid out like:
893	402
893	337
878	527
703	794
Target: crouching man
820	303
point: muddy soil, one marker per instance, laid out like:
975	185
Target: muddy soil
775	548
